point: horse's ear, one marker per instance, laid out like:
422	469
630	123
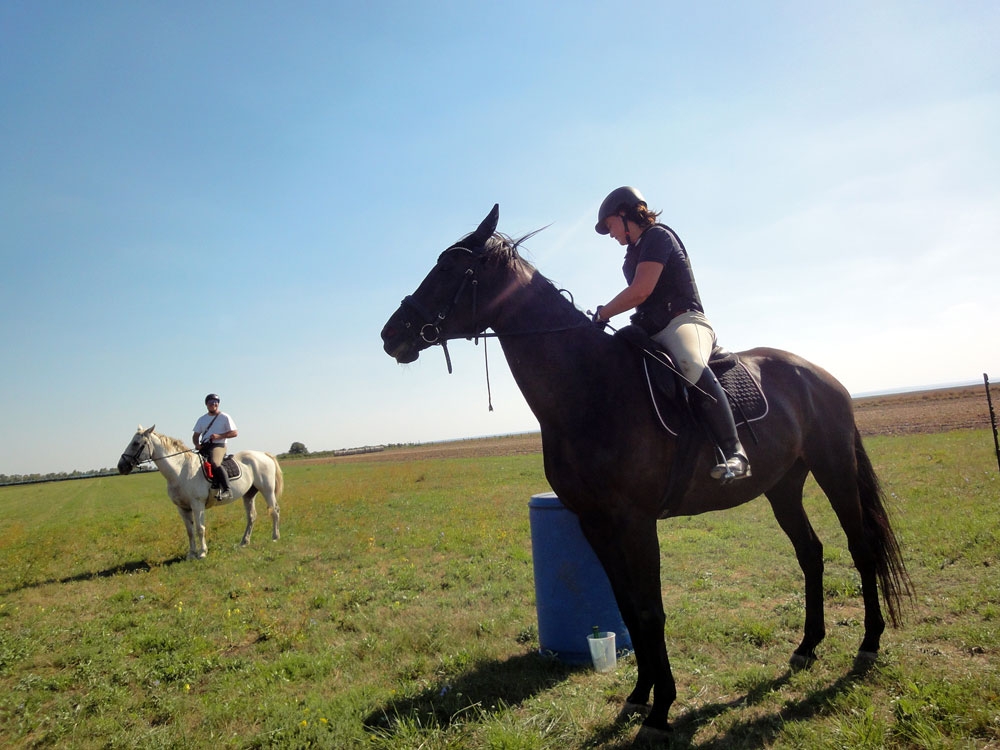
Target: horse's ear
486	228
150	430
139	428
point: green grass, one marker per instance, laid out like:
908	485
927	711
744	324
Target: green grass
397	611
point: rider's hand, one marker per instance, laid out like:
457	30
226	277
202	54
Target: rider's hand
596	318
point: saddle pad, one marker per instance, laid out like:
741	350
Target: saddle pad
746	398
229	465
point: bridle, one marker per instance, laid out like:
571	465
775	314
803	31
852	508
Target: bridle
430	330
136	458
430	323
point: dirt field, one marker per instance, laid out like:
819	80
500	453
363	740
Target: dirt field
926	411
896	414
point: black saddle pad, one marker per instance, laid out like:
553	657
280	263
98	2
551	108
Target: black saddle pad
233	469
746	397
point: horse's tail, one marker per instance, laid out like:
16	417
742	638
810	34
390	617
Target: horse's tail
889	567
279	477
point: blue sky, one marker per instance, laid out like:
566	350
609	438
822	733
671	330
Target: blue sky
234	196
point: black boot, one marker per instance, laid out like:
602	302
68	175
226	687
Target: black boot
719	419
222	482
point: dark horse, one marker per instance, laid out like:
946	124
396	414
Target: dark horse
609	459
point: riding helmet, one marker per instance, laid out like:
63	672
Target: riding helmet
616	198
212	397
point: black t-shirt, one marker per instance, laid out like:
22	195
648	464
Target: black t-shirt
675	291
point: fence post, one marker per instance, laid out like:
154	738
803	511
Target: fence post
993	419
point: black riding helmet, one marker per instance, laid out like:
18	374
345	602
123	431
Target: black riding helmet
618	197
212	397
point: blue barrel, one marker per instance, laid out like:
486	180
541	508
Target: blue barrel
572	592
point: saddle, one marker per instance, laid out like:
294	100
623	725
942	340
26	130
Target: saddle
669	392
229	465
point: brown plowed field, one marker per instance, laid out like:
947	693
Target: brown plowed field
926	411
939	410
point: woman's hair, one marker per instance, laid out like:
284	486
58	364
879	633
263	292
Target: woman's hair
639	214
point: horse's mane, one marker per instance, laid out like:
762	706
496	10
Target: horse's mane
501	251
172	444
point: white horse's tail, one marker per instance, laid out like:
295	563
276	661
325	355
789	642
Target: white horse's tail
279	477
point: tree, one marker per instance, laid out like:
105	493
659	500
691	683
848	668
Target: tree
298	449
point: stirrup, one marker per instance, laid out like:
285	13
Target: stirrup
734	467
224	493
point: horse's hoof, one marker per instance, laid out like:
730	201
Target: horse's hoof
632	711
864	661
648	735
801	661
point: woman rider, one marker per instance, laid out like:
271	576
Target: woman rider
662	289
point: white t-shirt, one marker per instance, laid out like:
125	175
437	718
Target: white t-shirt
223	423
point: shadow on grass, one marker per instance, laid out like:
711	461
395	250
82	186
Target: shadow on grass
489	687
137	566
757	732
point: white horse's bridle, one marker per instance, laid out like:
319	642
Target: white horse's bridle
147	447
137	458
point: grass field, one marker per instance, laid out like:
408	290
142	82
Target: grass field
397	611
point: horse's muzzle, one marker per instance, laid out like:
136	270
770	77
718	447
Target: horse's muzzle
401	351
398	343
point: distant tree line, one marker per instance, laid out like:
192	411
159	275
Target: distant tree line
62	476
298	449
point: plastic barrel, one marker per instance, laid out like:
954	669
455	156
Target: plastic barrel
572	592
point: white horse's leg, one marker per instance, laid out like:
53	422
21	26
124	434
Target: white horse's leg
272	503
188	520
251	509
275	517
201	542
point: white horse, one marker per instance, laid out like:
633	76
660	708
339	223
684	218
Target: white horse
192	492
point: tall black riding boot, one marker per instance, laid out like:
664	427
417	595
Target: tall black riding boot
719	419
222	482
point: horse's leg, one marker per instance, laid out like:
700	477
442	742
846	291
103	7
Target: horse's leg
188	520
200	540
786	502
629	551
250	506
841	487
271	495
271	498
272	503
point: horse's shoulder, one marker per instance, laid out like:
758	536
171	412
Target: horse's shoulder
177	494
